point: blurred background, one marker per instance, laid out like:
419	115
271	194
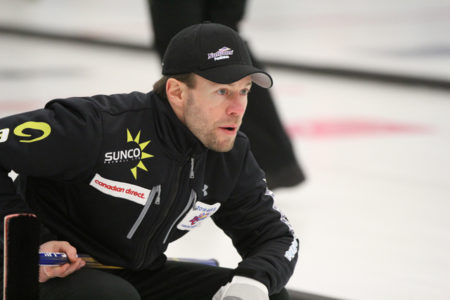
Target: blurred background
363	88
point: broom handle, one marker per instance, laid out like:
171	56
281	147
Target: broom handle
58	258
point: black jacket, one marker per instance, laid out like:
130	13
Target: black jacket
120	177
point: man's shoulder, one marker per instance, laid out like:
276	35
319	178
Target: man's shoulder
112	104
122	103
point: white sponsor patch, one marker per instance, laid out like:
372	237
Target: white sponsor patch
4	134
292	251
293	248
119	189
200	212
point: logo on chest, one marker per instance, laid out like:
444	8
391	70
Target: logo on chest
200	212
132	152
120	189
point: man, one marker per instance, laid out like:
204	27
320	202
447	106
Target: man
120	177
261	123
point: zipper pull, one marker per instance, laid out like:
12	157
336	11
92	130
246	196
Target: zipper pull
158	198
191	174
195	201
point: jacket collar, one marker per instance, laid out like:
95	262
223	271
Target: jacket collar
172	133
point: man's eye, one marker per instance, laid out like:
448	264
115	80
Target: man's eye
222	92
245	92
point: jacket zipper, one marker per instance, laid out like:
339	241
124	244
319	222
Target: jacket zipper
171	199
191	174
155	191
192	199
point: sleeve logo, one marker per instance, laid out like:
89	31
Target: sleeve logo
4	134
44	128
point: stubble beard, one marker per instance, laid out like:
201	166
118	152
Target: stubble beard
196	122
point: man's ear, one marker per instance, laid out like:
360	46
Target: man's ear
175	91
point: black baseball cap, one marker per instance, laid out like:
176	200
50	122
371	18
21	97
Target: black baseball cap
212	51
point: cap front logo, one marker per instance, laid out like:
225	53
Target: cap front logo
222	53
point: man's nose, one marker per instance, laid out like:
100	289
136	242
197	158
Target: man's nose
237	105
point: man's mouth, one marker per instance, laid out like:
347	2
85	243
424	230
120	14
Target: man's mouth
229	129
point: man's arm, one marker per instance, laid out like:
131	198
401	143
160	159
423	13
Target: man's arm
259	231
59	142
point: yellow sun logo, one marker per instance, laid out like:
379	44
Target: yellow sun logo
144	155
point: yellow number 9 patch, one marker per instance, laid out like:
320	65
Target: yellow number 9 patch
41	126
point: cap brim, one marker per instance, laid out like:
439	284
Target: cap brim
231	73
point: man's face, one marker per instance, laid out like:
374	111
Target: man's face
213	111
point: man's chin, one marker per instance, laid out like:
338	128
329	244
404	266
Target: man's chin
222	147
